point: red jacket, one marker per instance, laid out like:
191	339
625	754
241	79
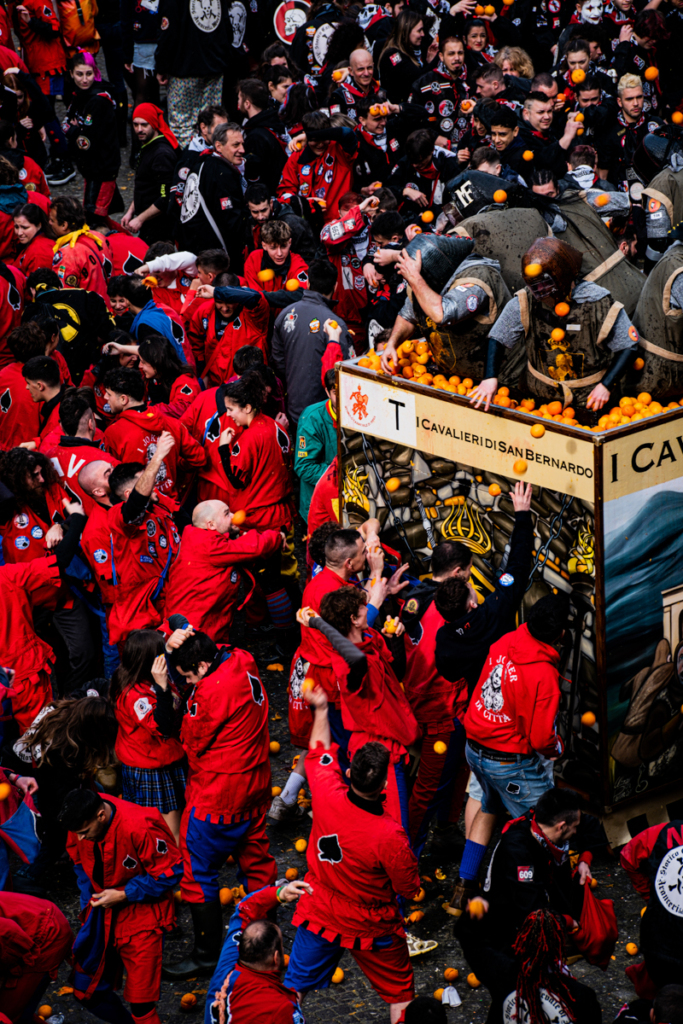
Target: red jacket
294	267
127	251
36	255
324	507
11	306
378	709
22	588
225	736
315	650
258	459
30	934
249	327
184	390
206	419
326	177
43	50
514	704
82	265
69	455
358	862
142	555
435	701
133	433
96	548
137	851
259	997
33	179
19	414
139	744
204	581
23	536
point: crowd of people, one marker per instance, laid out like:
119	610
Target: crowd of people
464	195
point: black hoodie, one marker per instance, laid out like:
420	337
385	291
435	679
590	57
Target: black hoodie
264	149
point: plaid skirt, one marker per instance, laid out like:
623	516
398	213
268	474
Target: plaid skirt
163	788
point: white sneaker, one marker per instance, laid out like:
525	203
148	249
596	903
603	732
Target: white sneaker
416	947
280	811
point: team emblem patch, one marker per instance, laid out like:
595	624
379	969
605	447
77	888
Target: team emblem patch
506	580
83	142
37	533
329	849
412	606
21	542
21	520
100	555
162	846
256	689
525	872
142	707
326	759
130	863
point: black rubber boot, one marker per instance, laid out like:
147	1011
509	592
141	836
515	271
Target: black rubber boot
207	919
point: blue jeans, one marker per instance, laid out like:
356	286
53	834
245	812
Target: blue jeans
515	786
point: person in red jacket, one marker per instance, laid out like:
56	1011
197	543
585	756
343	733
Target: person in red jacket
35	938
40	34
11	306
359	861
346	241
75	445
321	171
127	864
34	237
248	977
206	419
511	728
225	735
30	520
143	542
236	317
19	414
134	434
152	768
205	578
269	268
44	385
172	386
80	255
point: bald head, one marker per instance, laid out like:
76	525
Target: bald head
212	515
362	68
260	946
94	480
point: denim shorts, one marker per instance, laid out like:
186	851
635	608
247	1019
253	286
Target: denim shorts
515	787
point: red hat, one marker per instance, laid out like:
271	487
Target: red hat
155	116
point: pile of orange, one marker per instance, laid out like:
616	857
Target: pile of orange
371	361
630	410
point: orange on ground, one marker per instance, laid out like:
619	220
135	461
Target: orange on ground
274	667
643	911
291	874
438	994
44	1011
178	896
520	466
451	974
225	896
631	948
338	976
238	517
276	790
440	747
494	490
300	845
188	1001
473	981
420	896
392	484
538	430
274	747
416	916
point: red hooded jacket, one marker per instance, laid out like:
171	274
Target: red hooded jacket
259	460
514	704
206	420
139	744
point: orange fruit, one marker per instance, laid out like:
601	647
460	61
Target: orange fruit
337	977
500	196
292	285
479	9
178	896
528	154
337	75
504	392
45	1011
593	883
677	117
265	275
5	790
578	76
476	909
520	466
554	408
451	974
308	684
300	845
631	948
579	117
238	517
504	402
416	916
467	382
533	270
655	408
440	747
557	334
421	347
364	362
538	430
602	199
420	896
473	981
275	790
427	217
579	131
569	413
392	484
407	372
150	281
645	908
225	896
438	994
407	346
588	718
494	490
639	363
188	1001
651	74
562	309
489	10
291	874
274	747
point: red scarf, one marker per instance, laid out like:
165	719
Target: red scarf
155	116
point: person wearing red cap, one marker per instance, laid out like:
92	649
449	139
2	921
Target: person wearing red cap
146	215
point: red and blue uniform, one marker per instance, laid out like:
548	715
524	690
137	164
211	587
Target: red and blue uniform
225	736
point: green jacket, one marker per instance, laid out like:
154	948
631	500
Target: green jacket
316	446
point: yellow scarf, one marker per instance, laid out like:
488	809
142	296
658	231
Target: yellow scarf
72	237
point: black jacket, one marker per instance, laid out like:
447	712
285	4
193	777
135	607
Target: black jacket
94	141
84	321
195	38
462	646
264	148
220	186
154	174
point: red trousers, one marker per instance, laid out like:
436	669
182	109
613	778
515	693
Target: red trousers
440	784
16	992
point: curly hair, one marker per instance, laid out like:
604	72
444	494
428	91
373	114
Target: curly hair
340	606
15	467
77	733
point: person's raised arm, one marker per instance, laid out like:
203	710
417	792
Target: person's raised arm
320	733
145	482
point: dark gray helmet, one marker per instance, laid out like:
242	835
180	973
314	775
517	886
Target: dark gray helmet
441	256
